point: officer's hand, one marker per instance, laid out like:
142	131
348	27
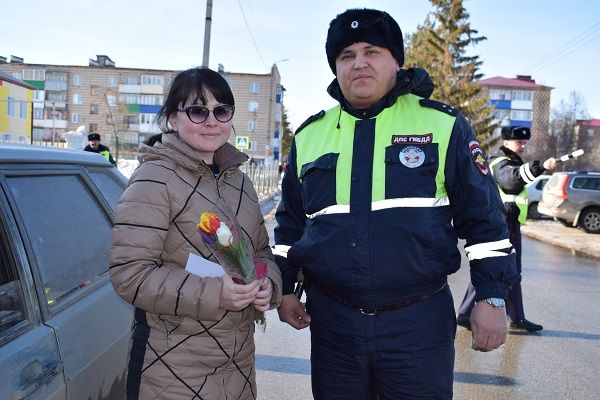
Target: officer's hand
550	164
262	302
488	325
292	311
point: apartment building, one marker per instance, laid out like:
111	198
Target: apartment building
121	104
587	137
520	101
15	109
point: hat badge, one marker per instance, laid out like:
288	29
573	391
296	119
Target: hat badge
354	24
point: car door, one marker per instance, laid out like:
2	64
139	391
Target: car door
68	225
29	354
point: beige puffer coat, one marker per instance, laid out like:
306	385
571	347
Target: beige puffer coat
184	346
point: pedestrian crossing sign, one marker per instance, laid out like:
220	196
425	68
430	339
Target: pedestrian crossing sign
242	142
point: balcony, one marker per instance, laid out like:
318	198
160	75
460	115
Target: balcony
130	89
58	105
50	123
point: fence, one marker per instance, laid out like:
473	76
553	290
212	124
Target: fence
264	177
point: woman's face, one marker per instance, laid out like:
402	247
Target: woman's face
205	137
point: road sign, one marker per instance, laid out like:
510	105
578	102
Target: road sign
242	142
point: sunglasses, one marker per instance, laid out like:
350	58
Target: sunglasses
199	114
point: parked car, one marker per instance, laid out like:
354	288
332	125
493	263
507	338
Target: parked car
534	195
64	332
573	198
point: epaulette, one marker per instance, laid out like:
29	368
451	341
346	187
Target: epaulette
438	105
310	120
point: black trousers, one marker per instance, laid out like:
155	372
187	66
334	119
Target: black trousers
397	354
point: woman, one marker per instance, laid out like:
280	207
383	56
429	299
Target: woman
193	335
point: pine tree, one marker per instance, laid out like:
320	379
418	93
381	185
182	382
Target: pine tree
440	46
286	134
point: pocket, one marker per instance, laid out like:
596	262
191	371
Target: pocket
318	183
410	170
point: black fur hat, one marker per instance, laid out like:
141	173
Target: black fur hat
516	133
363	25
94	136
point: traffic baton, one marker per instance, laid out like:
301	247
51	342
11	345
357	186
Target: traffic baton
568	156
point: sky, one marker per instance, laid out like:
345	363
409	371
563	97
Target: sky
556	42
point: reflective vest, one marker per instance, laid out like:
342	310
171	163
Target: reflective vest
520	199
404	125
105	154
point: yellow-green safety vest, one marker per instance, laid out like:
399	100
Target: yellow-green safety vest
520	199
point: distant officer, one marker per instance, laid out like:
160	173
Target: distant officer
511	175
96	147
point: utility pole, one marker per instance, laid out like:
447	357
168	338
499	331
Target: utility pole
114	124
207	33
53	122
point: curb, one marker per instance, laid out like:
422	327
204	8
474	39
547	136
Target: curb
574	239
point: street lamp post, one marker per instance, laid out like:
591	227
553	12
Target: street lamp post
53	122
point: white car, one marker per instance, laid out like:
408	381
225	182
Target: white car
534	195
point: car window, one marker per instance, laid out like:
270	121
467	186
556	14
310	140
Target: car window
12	307
587	183
68	229
541	183
108	184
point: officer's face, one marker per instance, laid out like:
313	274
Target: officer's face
365	73
518	146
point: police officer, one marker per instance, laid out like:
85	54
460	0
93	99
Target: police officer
376	192
95	146
511	175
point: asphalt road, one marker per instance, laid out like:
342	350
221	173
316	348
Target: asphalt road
561	291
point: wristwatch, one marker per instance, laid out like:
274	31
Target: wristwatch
495	302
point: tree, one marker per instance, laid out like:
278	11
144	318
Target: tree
286	134
440	45
564	132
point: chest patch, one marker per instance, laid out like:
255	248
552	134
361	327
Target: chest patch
412	139
478	157
412	156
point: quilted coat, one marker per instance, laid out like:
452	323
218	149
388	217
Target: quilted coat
184	346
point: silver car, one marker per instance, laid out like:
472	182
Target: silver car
573	198
534	195
64	332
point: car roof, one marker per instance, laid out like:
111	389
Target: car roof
14	153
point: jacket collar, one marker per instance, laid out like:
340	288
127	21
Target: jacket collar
412	80
511	154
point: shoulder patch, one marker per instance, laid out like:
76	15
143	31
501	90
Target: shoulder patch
438	105
310	120
478	157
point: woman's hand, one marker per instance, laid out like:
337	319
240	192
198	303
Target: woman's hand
262	302
236	297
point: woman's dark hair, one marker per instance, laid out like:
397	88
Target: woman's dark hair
193	83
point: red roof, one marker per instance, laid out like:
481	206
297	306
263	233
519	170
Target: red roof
521	81
590	122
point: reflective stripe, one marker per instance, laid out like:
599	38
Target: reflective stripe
410	202
386	204
513	198
281	250
526	173
489	249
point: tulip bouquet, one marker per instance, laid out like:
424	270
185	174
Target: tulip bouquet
232	252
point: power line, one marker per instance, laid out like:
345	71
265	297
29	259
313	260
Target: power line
559	53
251	35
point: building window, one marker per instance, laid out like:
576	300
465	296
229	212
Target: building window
77	80
131	80
56	96
109	120
250	126
77	99
522	95
129	99
38	95
111	100
254	87
17	75
130	119
75	118
56	77
37	133
151	99
38	113
152	80
93	108
34	74
590	133
253	106
146	118
520	115
93	127
111	80
23	110
10	109
498	94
